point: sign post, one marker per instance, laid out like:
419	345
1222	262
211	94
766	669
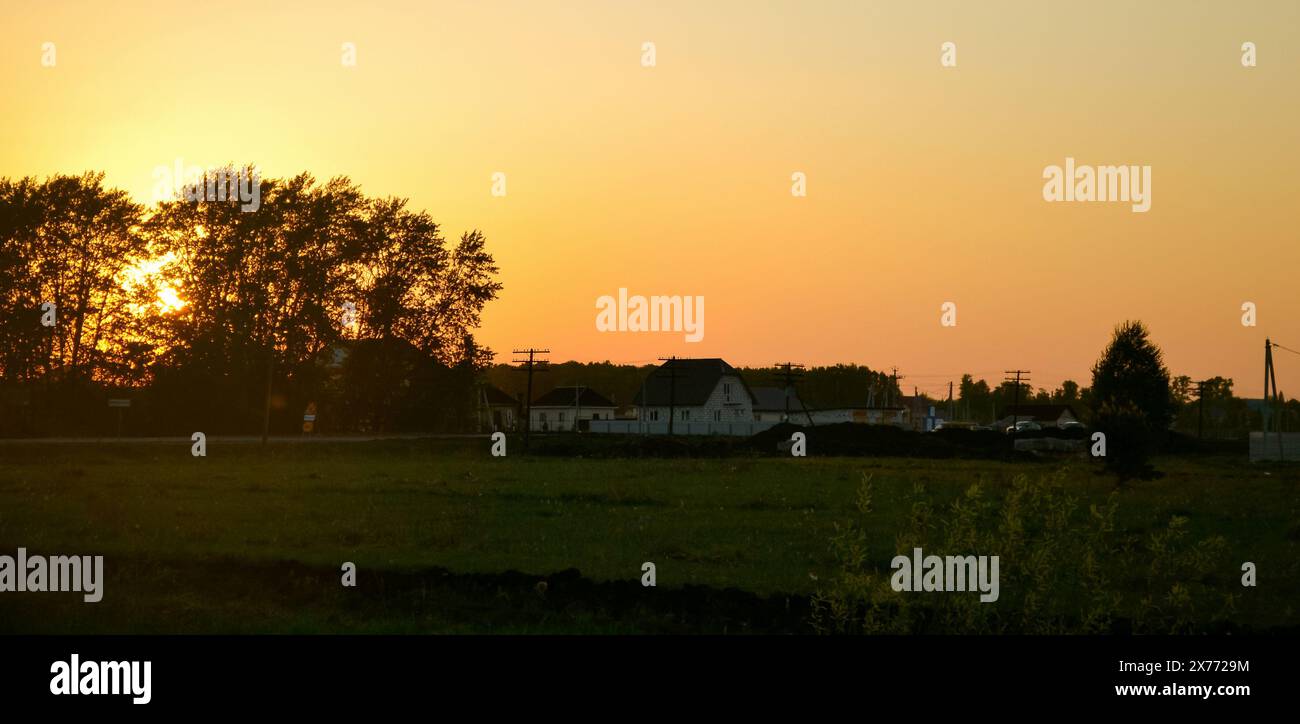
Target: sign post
121	405
309	418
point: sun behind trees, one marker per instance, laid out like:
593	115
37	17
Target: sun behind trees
195	305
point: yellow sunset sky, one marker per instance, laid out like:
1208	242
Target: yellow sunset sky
924	182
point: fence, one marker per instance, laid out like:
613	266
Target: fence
743	428
1275	446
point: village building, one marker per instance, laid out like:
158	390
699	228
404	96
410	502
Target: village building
777	404
1048	416
694	391
498	411
565	409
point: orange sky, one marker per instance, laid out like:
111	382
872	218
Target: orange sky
924	182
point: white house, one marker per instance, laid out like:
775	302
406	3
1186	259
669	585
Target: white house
694	391
896	416
567	408
776	404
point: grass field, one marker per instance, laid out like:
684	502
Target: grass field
252	540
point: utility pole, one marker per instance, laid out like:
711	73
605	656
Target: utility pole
1270	376
528	366
1015	407
640	413
1200	409
952	412
577	405
270	374
789	373
672	389
894	377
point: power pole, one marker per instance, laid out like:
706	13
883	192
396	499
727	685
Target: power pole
270	374
952	413
789	373
894	377
672	389
1015	407
1270	376
528	366
1200	409
645	401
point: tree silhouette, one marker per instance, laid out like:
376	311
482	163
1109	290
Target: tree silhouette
264	294
1132	400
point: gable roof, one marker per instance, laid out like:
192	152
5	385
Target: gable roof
496	396
572	397
1039	412
772	399
695	381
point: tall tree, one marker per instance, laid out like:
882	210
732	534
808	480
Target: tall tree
1131	398
66	242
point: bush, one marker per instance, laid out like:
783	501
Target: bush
1064	569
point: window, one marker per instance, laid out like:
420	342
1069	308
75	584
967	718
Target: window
686	414
726	390
561	417
717	415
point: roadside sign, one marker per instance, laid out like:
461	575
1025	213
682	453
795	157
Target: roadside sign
309	417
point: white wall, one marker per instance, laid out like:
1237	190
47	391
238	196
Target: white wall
744	428
1266	447
548	418
736	407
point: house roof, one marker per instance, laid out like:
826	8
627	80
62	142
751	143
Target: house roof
772	399
572	397
496	396
1039	412
695	381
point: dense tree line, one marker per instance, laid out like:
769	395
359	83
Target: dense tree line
828	386
205	312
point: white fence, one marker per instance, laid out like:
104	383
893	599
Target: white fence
633	427
1268	447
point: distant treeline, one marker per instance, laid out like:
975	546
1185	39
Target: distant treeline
202	313
1223	416
824	387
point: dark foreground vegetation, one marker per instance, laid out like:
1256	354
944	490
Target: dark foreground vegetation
446	539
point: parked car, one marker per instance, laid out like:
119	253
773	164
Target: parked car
1023	426
1071	425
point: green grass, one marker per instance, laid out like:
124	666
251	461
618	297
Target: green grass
251	540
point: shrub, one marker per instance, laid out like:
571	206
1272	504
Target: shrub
1064	568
